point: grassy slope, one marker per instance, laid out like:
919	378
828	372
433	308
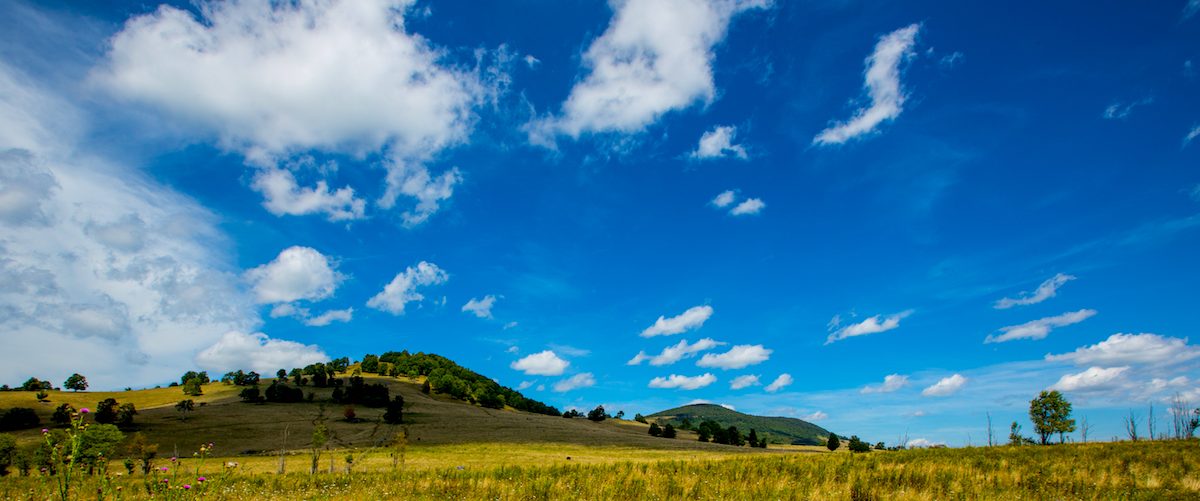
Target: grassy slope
431	420
778	429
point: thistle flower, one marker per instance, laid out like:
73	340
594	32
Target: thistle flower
45	431
163	469
201	480
187	486
84	410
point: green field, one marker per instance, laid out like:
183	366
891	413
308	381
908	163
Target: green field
1143	470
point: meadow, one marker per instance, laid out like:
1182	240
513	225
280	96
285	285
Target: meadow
1125	470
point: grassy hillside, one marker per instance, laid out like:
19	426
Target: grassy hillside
779	430
240	428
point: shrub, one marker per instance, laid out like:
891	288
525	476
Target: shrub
395	411
62	415
251	395
8	452
19	418
597	414
125	415
106	411
655	431
668	431
832	443
639	418
857	445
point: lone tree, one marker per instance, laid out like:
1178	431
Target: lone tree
76	382
833	443
185	407
1051	413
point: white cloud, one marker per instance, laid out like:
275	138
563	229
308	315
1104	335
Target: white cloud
1192	134
883	86
921	443
481	308
297	273
582	380
1040	328
282	195
545	363
1189	10
655	57
675	353
1132	349
718	143
273	79
748	207
784	380
329	317
945	386
1044	291
683	382
1092	379
524	385
1121	111
742	355
745	381
531	61
873	325
691	319
403	288
124	278
891	382
257	352
724	199
814	416
511	325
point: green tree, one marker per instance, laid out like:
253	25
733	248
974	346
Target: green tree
370	364
251	395
8	452
752	438
192	388
832	443
42	396
1050	413
395	411
597	414
62	415
704	435
106	411
639	418
125	415
98	441
141	449
76	383
185	407
281	375
1014	434
668	431
857	445
655	430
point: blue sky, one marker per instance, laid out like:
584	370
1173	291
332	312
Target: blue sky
979	202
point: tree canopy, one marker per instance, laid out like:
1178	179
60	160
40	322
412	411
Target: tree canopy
1050	413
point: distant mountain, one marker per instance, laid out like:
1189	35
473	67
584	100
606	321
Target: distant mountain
777	429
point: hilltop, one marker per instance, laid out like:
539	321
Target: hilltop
779	429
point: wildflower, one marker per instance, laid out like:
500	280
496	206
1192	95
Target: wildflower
166	480
173	458
84	410
45	431
163	469
187	486
201	479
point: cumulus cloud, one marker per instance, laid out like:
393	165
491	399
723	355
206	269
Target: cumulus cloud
784	380
257	352
655	57
675	353
745	381
873	325
718	143
271	79
330	317
945	386
883	87
691	319
545	363
740	356
1132	349
921	443
814	416
481	308
1040	328
524	385
1044	291
297	273
891	382
1092	379
582	380
403	288
126	279
683	382
724	199
748	207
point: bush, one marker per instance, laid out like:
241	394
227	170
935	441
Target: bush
125	415
8	452
668	431
19	418
857	445
251	395
639	418
597	414
832	442
106	411
655	431
62	415
395	411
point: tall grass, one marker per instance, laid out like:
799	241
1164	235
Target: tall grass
1143	470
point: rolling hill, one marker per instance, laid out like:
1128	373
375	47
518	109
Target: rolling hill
777	429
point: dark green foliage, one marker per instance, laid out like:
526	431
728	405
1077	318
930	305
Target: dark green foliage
18	418
655	430
395	411
686	424
639	418
668	431
106	411
35	384
880	447
370	364
62	415
857	445
360	393
192	388
752	438
425	387
8	452
734	436
241	378
76	383
200	376
787	430
281	376
1050	413
185	407
571	414
42	396
705	435
98	440
339	364
832	443
251	395
448	378
597	414
282	393
125	414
